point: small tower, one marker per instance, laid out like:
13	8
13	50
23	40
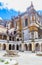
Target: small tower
30	7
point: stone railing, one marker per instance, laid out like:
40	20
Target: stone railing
19	42
10	42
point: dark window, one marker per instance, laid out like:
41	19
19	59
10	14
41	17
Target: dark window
20	35
4	37
39	36
9	46
10	38
14	32
26	22
17	39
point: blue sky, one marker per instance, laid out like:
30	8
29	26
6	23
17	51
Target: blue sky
9	8
6	13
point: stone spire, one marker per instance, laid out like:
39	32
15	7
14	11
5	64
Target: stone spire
32	4
30	7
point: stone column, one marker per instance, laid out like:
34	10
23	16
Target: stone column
28	47
40	48
7	46
1	46
15	46
22	47
33	47
35	34
19	47
7	38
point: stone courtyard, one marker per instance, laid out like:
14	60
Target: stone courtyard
24	58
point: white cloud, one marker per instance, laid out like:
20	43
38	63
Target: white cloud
21	5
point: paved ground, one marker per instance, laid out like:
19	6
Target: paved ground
26	58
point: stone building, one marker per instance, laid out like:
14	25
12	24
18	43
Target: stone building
23	32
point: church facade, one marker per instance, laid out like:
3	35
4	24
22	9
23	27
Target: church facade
23	32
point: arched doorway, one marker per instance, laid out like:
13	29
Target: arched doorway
4	46
30	47
26	47
13	47
9	46
17	47
37	47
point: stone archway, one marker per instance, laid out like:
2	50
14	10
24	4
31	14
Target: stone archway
9	46
13	47
17	47
37	47
30	47
26	47
4	46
